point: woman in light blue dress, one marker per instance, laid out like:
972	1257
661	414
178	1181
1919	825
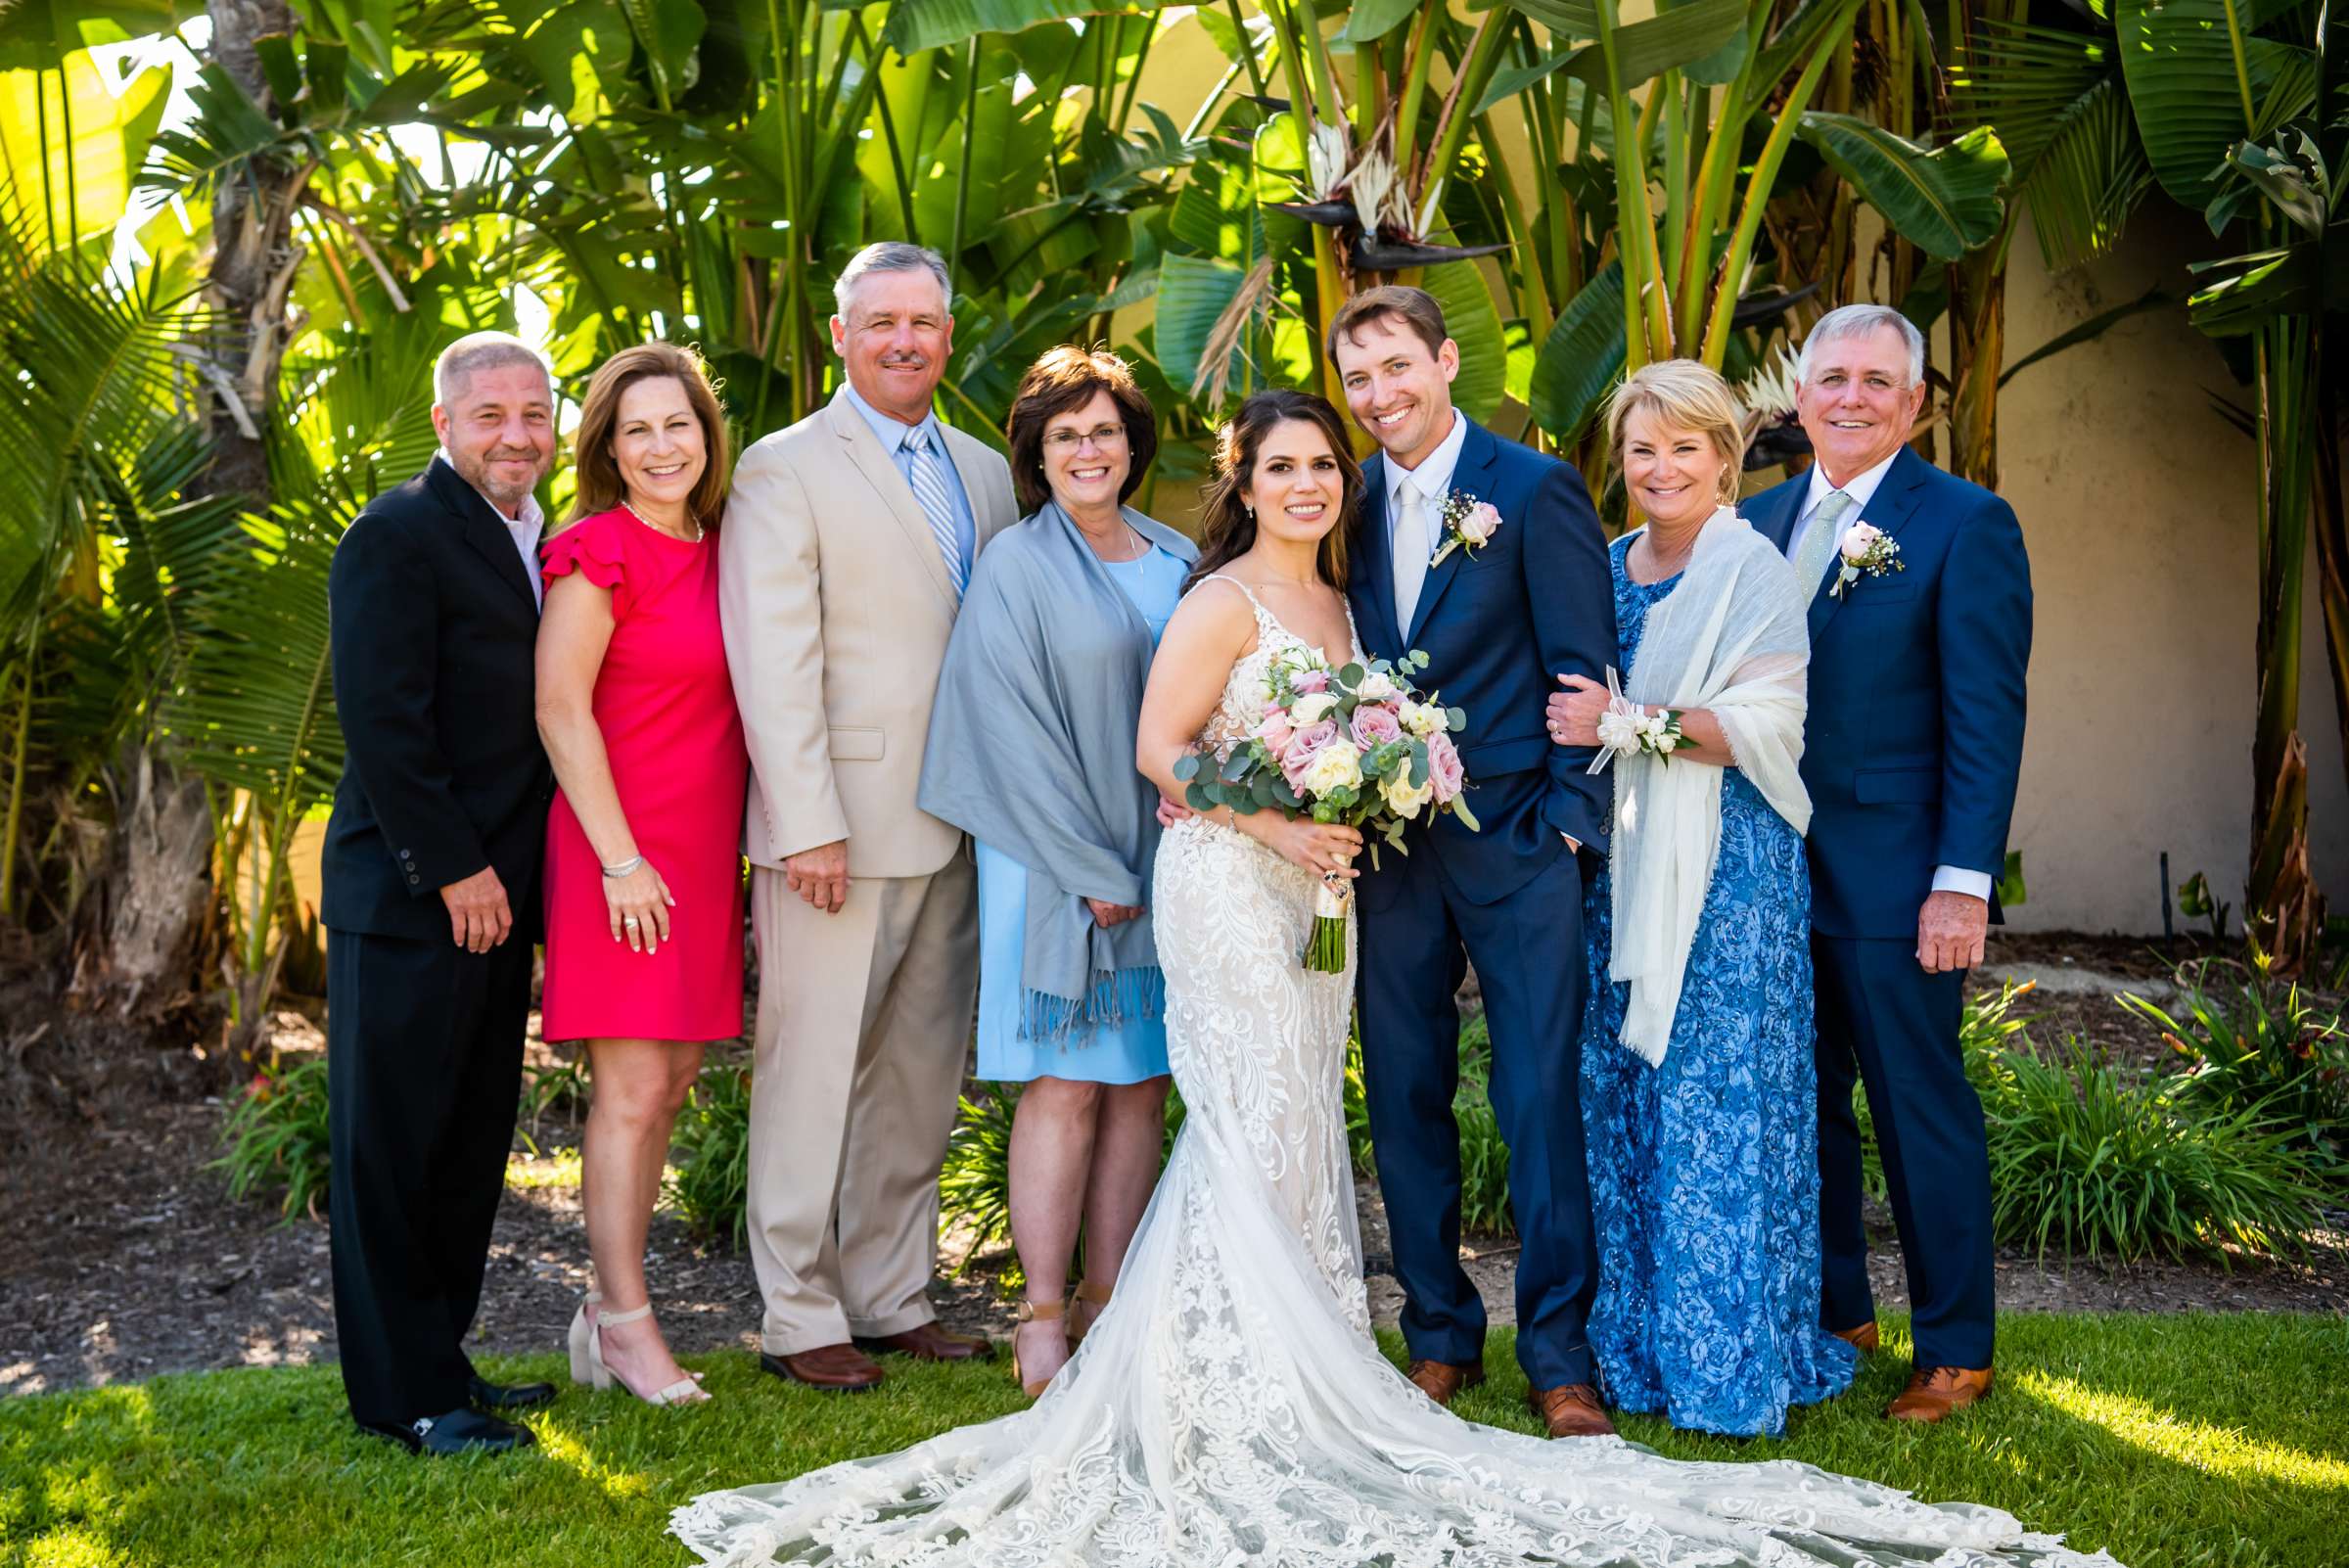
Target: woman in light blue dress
1703	1148
1030	750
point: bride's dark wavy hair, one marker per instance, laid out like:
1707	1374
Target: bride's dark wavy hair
1226	527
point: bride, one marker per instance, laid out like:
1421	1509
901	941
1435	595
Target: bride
1230	1407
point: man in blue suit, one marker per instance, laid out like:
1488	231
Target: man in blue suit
1499	622
1914	737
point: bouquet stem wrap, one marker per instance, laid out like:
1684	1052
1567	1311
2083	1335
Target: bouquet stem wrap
1325	948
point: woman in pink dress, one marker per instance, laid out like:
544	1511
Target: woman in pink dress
643	870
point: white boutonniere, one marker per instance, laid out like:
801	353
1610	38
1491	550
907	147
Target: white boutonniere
1866	549
1467	523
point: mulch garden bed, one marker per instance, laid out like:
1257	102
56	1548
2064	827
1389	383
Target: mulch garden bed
122	1255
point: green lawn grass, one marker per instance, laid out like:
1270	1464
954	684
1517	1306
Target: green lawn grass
2174	1442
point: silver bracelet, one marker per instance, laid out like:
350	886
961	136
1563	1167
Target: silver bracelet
625	868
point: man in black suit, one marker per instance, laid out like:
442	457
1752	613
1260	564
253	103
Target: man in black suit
431	871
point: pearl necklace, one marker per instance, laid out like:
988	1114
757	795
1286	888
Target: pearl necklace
697	529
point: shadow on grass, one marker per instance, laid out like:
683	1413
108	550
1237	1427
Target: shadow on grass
2194	1443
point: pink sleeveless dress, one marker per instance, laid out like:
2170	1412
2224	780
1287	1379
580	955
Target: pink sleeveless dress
664	702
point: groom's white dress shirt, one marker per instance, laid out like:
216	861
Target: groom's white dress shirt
1862	491
1432	481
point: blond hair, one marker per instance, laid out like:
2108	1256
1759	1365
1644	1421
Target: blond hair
1688	396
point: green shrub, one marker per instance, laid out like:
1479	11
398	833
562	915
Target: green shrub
276	1137
710	1155
2082	1159
2254	1039
973	1185
557	1090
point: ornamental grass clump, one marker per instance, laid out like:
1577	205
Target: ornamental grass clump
276	1139
2253	1038
2083	1158
710	1157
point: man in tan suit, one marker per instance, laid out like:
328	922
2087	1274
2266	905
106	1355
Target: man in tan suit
847	541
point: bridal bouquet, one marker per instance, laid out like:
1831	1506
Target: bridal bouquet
1357	745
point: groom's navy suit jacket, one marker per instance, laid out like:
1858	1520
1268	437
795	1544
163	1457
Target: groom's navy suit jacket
1916	692
1533	603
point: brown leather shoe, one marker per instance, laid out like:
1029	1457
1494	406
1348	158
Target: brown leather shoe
1442	1381
836	1369
927	1342
1570	1411
1865	1336
1933	1392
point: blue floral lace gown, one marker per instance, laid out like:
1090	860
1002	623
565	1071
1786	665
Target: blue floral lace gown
1704	1171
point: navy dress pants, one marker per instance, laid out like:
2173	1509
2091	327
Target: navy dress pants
1527	951
1886	1023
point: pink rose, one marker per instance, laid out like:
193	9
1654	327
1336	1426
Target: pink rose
1444	772
1857	538
1298	754
1310	681
1375	724
1480	523
1274	731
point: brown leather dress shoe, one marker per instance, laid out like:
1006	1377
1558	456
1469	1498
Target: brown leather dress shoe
836	1369
1442	1381
1570	1411
927	1342
1865	1336
1933	1392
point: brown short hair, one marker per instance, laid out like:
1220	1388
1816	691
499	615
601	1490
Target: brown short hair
599	484
1066	378
1227	528
1415	308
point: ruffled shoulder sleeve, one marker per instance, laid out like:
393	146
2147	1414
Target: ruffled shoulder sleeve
597	548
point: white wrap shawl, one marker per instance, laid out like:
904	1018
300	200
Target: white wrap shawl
1733	638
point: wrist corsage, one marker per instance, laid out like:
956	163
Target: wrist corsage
1626	730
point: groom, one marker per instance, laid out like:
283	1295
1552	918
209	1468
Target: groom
1498	624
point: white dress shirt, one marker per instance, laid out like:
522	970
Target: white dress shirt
1862	491
1432	478
525	528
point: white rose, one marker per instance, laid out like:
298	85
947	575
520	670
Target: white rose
1857	538
1423	720
1403	796
1479	523
1335	766
1619	731
1311	707
1377	687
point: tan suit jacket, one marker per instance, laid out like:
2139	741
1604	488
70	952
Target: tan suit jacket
837	608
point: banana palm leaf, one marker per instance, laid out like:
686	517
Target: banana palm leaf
2188	94
1945	201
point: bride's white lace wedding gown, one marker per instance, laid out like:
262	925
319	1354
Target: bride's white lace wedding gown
1230	1406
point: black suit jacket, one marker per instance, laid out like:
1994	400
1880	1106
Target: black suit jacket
435	633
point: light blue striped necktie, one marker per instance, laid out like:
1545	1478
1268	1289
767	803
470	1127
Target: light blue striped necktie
937	503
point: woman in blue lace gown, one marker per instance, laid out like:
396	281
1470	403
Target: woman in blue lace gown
1704	1167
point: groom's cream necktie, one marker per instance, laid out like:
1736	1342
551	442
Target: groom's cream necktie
1819	540
1411	550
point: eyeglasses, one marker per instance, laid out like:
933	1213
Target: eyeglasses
1107	438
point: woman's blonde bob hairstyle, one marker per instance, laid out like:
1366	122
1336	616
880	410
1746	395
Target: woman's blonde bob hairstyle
598	475
1685	396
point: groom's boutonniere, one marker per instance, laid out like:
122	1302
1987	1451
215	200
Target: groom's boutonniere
1467	523
1868	549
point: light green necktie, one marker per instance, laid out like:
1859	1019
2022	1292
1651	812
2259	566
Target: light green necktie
1819	540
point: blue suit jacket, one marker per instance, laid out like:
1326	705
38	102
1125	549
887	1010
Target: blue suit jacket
1533	603
1916	729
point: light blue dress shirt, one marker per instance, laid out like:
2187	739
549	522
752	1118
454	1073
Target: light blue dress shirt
892	434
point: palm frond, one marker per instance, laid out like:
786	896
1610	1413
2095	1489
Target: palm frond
2090	177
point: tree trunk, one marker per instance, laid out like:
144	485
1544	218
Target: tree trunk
163	859
1977	353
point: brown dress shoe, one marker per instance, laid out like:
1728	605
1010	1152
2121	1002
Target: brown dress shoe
1865	1336
837	1369
927	1342
1933	1392
1442	1381
1570	1411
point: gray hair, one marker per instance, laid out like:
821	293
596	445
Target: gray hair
1862	321
889	255
484	350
